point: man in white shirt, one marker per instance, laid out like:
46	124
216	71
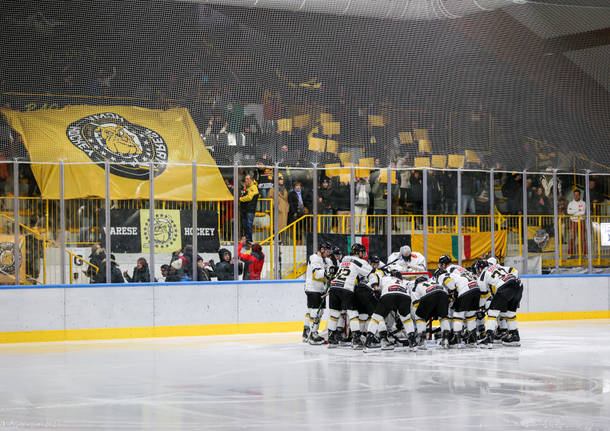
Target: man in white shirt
577	210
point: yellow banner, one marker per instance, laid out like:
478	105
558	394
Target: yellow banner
166	231
474	245
129	138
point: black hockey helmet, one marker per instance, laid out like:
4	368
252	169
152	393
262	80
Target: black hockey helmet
444	260
324	245
374	259
396	273
438	272
479	265
357	249
337	250
420	279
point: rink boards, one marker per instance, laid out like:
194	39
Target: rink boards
85	312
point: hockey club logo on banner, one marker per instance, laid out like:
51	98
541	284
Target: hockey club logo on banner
7	257
129	147
166	231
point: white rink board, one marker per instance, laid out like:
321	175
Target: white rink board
175	304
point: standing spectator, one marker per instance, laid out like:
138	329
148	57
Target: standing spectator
539	204
434	193
141	273
326	206
379	191
511	191
282	203
415	195
471	187
98	254
255	259
299	202
340	196
596	195
404	176
448	183
577	209
225	268
361	204
115	272
264	179
248	200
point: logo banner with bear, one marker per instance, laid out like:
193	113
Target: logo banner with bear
130	139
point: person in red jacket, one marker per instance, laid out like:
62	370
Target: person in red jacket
254	259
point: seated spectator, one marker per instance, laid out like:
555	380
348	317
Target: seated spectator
115	272
164	271
175	272
205	272
225	268
255	259
141	273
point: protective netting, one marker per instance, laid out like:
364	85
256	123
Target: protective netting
524	86
444	84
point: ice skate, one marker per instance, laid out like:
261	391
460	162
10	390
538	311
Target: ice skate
512	339
371	343
445	339
306	331
315	339
487	342
412	340
357	343
333	343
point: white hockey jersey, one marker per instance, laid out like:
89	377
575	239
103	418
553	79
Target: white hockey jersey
351	269
317	271
375	278
416	264
425	288
393	285
495	276
458	278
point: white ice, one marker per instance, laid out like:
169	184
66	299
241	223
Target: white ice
558	380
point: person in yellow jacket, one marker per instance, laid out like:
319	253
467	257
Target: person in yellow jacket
247	203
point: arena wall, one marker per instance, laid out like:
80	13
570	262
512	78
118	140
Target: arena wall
85	312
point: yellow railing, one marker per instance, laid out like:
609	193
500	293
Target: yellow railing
84	217
74	257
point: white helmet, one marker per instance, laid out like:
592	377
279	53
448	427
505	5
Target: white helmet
492	261
405	252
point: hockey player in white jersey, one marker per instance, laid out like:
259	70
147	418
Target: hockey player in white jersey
318	268
430	300
353	269
505	287
458	279
395	296
406	260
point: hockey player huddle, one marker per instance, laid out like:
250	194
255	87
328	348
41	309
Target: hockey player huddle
374	305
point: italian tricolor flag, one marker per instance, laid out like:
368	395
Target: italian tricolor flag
466	250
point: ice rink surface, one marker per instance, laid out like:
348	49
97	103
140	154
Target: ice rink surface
558	380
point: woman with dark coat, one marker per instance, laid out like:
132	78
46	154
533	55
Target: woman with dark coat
141	273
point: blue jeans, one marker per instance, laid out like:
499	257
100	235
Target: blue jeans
247	222
379	221
468	204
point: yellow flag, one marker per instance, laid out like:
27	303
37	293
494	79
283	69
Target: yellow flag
284	125
128	137
421	162
455	161
376	120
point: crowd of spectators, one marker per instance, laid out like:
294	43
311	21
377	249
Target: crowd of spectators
180	266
